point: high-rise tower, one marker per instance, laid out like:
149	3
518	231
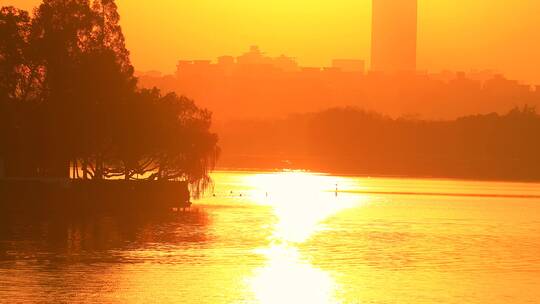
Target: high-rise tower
393	37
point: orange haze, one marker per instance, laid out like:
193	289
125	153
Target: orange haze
501	35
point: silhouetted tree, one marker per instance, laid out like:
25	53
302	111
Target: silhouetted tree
84	111
14	30
19	90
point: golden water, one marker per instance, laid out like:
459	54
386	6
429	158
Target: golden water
288	238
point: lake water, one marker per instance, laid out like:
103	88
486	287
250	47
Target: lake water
288	237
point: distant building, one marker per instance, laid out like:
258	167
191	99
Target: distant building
394	36
349	65
254	57
311	71
285	63
226	64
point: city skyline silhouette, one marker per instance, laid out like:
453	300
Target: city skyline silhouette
455	35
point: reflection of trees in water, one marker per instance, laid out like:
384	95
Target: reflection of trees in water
97	237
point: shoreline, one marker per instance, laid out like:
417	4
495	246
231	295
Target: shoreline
45	195
364	175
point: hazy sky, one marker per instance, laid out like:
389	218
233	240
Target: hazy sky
502	35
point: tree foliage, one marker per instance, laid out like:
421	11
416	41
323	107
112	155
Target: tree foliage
71	106
354	141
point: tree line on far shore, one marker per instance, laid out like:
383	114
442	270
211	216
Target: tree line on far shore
70	105
354	141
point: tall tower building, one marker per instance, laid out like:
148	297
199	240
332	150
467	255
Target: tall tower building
393	37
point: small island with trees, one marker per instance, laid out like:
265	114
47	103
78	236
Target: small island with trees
79	131
74	125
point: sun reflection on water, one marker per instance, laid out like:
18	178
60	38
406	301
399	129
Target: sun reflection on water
301	203
288	279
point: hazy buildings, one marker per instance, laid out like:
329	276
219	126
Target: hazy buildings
393	45
255	85
348	65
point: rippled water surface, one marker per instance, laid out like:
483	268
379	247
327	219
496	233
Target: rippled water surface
289	237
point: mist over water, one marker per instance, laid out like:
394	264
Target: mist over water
287	237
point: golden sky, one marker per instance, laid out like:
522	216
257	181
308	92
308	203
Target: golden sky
502	35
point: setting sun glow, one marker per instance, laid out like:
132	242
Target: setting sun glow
301	202
453	34
270	151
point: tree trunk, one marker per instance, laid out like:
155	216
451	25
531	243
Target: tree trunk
85	168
